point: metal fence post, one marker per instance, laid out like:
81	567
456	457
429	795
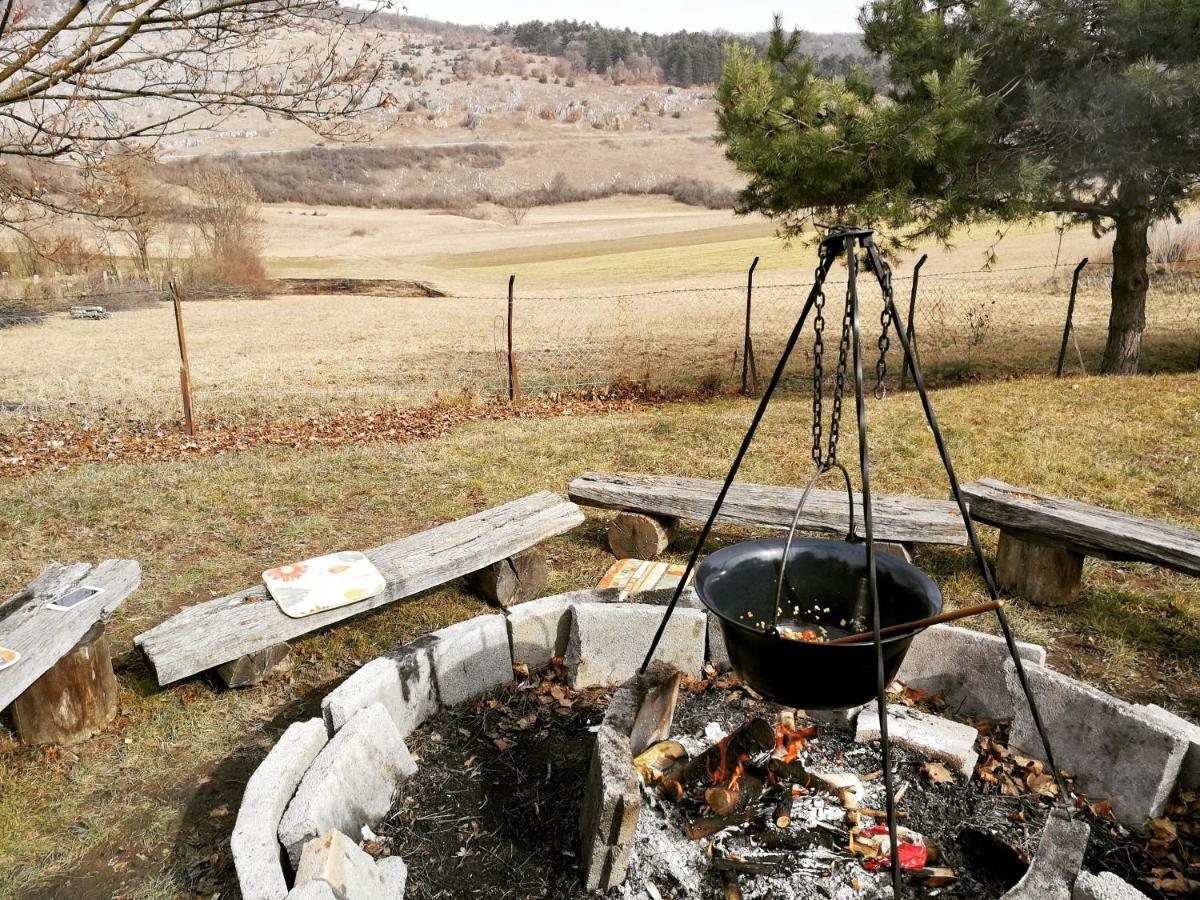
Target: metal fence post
185	369
749	370
514	386
910	328
1062	351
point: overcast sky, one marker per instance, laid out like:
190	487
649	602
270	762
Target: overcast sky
651	15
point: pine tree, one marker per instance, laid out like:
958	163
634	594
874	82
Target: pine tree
1001	110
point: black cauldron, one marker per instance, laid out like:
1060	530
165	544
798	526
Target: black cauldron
738	584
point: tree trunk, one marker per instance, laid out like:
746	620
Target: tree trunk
1127	320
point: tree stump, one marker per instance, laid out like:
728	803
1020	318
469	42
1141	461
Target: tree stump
253	667
514	579
1045	574
633	535
74	699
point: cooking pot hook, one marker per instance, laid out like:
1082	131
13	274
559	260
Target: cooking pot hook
851	537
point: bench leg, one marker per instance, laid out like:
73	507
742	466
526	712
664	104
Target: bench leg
74	699
512	580
633	535
253	667
1043	574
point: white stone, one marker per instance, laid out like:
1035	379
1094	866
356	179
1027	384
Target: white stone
255	840
934	736
1055	866
538	629
1116	751
837	719
402	681
351	782
608	642
967	668
313	890
1105	886
337	861
1189	772
471	658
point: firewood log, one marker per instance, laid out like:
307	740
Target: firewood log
755	736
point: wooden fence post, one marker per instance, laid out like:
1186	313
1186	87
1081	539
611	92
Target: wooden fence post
514	385
910	327
749	369
185	371
1062	351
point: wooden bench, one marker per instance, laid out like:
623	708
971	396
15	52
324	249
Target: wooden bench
1043	540
243	632
650	505
62	689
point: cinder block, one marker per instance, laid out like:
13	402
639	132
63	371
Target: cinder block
471	658
402	681
351	782
609	641
538	629
1189	771
337	861
837	719
313	890
609	814
935	737
1105	886
1116	751
1055	865
255	841
966	667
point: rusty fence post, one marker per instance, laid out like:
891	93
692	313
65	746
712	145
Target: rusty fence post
749	369
514	385
1062	350
911	328
185	369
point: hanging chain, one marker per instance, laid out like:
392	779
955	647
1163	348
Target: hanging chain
818	380
885	320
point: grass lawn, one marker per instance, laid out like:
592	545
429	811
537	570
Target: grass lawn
146	809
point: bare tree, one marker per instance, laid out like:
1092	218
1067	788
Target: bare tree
78	77
226	214
517	204
141	209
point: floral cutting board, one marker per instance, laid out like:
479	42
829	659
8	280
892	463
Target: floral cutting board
326	582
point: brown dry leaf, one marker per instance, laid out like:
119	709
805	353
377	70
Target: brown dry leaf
502	744
1172	881
219	813
937	773
521	670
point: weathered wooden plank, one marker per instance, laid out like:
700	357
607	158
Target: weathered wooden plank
204	636
43	636
896	518
1090	530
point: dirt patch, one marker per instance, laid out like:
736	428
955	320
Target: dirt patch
358	287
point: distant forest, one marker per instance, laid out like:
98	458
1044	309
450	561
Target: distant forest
684	58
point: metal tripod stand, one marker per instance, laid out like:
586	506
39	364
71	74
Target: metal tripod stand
849	241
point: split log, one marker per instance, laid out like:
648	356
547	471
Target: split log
513	579
707	826
793	773
634	535
204	636
897	518
782	815
719	760
1040	573
748	866
253	667
72	701
656	761
725	799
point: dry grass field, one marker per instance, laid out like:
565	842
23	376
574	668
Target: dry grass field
145	810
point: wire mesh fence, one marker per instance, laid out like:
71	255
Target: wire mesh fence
297	355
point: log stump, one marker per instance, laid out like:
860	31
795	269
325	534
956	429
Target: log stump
633	535
1044	574
254	667
514	579
74	699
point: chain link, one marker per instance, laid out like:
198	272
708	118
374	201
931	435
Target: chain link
818	380
885	321
827	458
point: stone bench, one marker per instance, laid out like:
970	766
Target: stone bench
62	688
248	623
1043	540
650	506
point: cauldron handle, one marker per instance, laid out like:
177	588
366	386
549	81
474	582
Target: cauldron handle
787	547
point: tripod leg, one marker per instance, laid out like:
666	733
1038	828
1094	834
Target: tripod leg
872	582
976	547
822	271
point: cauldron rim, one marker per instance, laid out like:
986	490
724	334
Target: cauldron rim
882	561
